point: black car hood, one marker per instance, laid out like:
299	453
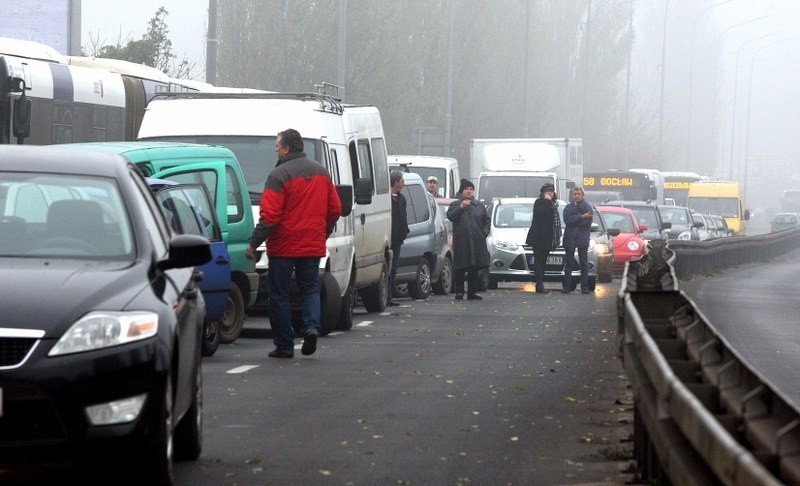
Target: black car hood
52	294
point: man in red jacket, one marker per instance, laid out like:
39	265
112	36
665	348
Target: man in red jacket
299	207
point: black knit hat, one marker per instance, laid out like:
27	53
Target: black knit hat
547	187
465	184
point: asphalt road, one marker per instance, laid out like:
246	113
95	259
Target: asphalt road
516	389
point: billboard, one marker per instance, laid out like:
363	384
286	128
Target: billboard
43	21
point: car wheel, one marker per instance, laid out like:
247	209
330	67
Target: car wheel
156	463
445	283
233	318
492	283
211	338
189	432
346	313
374	296
400	290
420	287
330	302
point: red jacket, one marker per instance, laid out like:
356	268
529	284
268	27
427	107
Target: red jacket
298	207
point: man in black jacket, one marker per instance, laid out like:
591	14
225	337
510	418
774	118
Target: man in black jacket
399	228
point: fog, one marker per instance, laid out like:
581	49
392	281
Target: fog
674	99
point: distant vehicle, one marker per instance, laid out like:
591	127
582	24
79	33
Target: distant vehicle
676	186
706	227
604	247
426	260
628	244
784	221
681	225
599	197
102	318
445	169
632	186
647	215
657	179
720	197
511	260
518	167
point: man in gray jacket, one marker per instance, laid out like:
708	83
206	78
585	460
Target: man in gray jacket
578	216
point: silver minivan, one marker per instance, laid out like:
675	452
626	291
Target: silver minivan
426	262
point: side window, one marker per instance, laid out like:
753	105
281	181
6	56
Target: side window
381	166
417	200
365	161
234	192
334	167
155	224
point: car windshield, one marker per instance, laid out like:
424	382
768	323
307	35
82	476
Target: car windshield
505	186
725	206
674	215
619	221
786	219
646	215
62	216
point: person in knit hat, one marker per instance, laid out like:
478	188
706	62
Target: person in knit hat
470	229
544	233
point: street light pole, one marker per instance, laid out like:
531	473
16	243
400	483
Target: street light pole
735	85
342	46
448	117
663	79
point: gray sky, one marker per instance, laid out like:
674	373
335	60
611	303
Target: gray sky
122	20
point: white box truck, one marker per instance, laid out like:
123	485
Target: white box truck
518	167
445	169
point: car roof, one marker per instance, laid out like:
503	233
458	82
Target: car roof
613	209
38	158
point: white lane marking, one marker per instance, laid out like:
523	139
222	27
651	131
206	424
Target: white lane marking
335	333
363	323
241	369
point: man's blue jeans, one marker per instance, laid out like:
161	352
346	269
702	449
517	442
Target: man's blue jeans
306	272
569	261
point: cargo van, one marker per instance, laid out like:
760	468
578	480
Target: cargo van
719	197
348	140
218	170
445	169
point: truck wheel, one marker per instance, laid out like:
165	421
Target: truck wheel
346	312
330	302
374	296
420	287
444	285
230	326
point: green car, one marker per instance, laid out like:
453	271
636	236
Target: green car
784	221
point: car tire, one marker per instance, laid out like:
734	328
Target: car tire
211	338
420	287
330	301
189	432
492	283
483	279
374	296
444	285
232	322
400	290
346	312
156	455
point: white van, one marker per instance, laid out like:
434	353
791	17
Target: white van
444	168
348	140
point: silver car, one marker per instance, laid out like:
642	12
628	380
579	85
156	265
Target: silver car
511	260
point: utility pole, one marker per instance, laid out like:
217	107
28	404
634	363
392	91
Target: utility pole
448	116
212	44
342	46
663	80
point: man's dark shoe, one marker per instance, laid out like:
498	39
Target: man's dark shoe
586	291
474	297
459	296
309	343
281	354
392	304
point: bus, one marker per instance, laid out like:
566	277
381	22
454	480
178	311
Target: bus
719	197
631	186
48	98
676	185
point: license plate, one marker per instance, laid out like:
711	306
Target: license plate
554	260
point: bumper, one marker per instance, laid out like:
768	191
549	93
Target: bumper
44	401
517	266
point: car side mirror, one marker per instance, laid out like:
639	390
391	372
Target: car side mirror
186	251
363	191
346	197
746	214
613	232
642	228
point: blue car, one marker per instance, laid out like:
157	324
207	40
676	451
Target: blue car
188	210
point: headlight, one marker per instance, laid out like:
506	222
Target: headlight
98	330
685	235
506	245
601	248
633	245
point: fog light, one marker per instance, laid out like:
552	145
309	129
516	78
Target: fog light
498	263
116	412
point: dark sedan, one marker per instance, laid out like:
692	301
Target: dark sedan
101	322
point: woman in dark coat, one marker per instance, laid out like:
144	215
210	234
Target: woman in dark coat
470	229
545	232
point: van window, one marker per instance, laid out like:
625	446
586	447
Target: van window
333	166
417	209
381	165
234	192
365	161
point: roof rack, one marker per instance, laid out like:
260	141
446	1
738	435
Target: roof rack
327	103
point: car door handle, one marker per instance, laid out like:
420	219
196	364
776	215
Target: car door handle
221	260
363	218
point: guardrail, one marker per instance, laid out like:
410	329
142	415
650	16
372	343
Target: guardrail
702	415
